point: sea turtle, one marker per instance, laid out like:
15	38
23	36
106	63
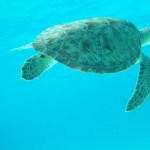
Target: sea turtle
98	45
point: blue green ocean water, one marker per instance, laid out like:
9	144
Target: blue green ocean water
65	109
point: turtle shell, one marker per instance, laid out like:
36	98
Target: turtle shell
100	45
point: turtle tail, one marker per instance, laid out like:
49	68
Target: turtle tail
27	46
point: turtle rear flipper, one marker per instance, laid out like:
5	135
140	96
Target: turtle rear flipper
143	85
36	65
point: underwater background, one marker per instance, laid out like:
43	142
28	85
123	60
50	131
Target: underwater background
65	109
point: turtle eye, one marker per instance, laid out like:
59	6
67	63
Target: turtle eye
42	56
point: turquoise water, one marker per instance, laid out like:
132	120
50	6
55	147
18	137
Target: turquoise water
65	109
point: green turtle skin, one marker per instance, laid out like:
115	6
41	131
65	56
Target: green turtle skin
94	45
97	45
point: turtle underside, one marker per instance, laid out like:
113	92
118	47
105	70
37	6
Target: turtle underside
100	45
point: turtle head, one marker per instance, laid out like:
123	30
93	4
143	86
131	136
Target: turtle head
145	36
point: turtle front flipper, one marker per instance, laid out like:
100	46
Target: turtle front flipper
36	65
143	85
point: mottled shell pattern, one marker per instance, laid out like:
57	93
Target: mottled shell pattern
100	45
